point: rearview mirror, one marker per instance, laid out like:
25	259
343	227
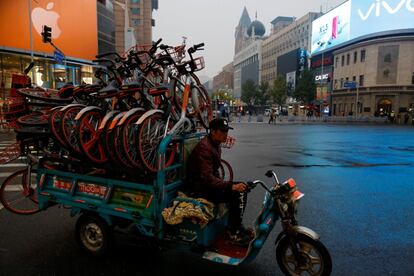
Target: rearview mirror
269	173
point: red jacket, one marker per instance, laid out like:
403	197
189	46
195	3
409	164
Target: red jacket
203	169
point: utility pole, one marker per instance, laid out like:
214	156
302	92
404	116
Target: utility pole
30	28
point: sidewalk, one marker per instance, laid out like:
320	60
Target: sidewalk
312	120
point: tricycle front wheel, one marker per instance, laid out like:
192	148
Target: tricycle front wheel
315	258
93	234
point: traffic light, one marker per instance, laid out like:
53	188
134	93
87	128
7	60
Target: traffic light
47	34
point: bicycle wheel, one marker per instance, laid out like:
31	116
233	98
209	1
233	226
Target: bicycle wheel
89	137
109	136
151	132
203	106
129	136
118	148
225	170
18	193
178	86
55	121
33	119
69	128
152	79
46	95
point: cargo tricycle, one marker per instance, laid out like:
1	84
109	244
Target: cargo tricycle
103	204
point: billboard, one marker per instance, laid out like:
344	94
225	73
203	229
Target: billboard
356	19
332	28
74	26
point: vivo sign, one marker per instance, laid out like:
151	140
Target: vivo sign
357	18
383	6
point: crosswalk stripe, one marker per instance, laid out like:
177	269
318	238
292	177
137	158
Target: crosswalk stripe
14	188
5	174
13	165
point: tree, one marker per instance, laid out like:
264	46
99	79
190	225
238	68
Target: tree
223	94
249	92
278	91
263	93
306	88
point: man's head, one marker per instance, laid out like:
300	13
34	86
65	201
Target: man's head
218	129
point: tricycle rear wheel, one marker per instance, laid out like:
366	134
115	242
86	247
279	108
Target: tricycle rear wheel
316	259
93	234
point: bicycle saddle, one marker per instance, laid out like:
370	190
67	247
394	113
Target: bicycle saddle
112	88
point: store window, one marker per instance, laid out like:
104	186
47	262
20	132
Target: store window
59	75
10	64
362	80
363	55
87	75
135	10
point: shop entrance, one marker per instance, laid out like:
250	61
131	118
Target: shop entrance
384	107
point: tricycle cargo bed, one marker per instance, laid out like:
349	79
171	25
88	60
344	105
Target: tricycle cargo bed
106	196
138	203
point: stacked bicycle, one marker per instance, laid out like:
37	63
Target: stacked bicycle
116	124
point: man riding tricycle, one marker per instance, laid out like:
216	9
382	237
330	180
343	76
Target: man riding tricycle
164	216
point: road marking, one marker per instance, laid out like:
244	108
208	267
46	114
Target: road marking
13	165
14	188
5	174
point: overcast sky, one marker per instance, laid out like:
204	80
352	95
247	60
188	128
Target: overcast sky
214	21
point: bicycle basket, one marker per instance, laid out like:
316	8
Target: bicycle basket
229	143
198	64
143	54
177	53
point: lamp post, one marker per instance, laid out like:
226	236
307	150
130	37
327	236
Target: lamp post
357	100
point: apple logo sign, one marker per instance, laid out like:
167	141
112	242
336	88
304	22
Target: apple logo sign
47	17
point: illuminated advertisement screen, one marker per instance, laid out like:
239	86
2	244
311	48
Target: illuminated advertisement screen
361	18
73	23
331	29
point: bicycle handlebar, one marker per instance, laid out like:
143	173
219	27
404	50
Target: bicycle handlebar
164	47
104	60
195	48
109	54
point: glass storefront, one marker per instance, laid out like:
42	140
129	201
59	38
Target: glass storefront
45	73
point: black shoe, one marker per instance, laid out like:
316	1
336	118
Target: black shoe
239	237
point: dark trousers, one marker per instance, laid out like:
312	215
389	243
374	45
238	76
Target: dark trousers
236	203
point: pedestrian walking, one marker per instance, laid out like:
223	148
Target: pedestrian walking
272	117
406	118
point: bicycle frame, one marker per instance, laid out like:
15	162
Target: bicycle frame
181	124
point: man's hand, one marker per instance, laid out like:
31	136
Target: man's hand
239	187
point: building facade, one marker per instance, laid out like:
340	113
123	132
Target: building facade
247	64
383	71
294	36
248	52
133	21
106	26
224	80
240	36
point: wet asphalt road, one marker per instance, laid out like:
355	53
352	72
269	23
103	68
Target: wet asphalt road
359	186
